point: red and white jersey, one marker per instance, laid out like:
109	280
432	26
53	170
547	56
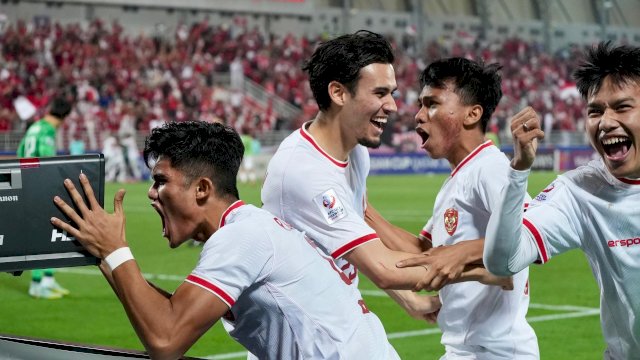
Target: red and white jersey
474	314
590	209
287	299
320	195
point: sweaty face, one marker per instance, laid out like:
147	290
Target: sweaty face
175	203
369	108
439	121
613	125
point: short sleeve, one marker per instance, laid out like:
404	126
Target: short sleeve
232	260
324	208
427	230
554	222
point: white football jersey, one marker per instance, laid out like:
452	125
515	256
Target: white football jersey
320	195
474	314
287	299
588	208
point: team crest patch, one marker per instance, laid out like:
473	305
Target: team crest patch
330	206
451	220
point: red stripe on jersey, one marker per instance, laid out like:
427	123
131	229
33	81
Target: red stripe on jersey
233	206
28	163
544	257
348	247
630	181
216	290
426	234
307	136
475	152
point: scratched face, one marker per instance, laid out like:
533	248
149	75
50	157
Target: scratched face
439	121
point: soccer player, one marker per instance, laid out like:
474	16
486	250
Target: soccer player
316	180
594	207
477	321
278	296
40	141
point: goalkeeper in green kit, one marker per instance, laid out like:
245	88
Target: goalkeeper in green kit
40	141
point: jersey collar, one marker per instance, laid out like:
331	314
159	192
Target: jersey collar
305	134
468	158
230	209
630	181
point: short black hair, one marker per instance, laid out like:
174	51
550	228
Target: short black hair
198	148
475	82
620	63
341	59
60	107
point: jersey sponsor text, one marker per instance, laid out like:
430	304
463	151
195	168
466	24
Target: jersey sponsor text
624	242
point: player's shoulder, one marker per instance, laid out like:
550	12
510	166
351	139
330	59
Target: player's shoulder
247	224
295	154
591	177
491	164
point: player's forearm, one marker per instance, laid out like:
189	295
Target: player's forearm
392	236
149	311
377	263
471	250
480	274
505	243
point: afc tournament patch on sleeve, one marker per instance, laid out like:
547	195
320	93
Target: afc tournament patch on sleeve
330	206
544	195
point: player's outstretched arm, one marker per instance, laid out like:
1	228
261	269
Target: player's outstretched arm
507	249
167	326
393	237
377	262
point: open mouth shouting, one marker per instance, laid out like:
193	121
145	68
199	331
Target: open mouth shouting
423	135
616	147
164	226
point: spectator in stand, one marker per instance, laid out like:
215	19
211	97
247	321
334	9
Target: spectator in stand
176	73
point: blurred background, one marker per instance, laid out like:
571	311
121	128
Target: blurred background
136	64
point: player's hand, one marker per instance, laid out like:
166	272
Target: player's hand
424	307
444	264
526	131
98	231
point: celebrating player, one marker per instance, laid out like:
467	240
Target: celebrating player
477	321
594	207
279	296
316	180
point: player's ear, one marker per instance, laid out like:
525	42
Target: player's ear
474	114
337	92
204	188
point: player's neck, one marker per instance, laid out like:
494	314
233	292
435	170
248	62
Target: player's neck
214	214
328	135
54	121
463	149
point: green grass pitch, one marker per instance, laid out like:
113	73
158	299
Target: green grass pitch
564	295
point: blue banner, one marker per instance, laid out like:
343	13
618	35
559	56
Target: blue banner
409	163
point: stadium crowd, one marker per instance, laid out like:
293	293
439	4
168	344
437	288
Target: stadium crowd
126	83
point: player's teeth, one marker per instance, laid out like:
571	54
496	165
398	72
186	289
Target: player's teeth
612	141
